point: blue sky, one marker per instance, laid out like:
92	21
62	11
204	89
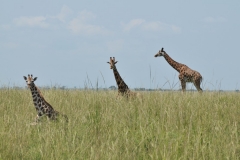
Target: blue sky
68	43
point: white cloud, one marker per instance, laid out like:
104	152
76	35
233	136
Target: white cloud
65	11
86	15
80	25
42	21
155	26
214	19
132	24
39	21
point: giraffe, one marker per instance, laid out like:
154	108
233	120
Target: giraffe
122	86
41	105
185	73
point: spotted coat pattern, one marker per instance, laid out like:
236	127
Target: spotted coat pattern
41	105
185	73
122	86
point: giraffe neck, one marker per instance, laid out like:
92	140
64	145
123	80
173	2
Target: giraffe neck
122	87
36	94
38	99
177	66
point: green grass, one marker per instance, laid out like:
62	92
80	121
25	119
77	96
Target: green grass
161	125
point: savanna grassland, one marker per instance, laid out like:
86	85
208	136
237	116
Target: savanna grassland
156	125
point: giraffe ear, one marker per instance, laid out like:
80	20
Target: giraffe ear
108	62
34	79
115	62
25	77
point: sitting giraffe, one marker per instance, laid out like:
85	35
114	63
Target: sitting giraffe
41	105
122	86
185	73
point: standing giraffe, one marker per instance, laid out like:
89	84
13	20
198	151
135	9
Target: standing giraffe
41	105
122	86
185	73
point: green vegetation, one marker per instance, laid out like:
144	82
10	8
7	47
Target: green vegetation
160	125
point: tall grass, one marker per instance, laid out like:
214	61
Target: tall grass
161	125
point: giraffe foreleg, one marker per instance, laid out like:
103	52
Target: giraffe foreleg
37	119
39	115
183	84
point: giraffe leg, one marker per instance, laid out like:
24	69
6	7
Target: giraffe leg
55	115
52	115
36	121
37	118
197	85
183	84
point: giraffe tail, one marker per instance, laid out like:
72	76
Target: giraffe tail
200	81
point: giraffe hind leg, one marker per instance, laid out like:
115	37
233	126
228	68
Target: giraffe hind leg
56	114
53	115
197	85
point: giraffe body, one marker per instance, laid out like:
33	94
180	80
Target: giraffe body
41	105
122	86
186	74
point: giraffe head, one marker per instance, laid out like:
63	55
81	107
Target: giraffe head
30	80
112	62
160	53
